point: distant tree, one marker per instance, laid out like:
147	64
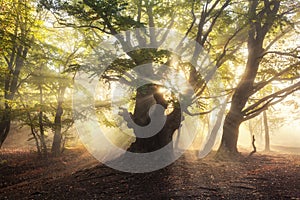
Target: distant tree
267	133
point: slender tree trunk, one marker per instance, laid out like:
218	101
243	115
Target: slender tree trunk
267	134
260	128
37	144
32	128
214	132
57	139
251	131
41	125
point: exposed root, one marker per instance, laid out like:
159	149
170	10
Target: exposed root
226	155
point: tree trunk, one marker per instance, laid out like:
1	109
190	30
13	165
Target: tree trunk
230	134
267	134
251	131
145	98
57	139
258	28
41	125
214	132
240	97
4	125
37	144
32	127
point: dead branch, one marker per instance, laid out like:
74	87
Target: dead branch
253	145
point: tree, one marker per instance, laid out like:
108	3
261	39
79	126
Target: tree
63	82
55	80
267	133
115	16
262	18
17	26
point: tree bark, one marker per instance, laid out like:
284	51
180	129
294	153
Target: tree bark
57	139
41	125
4	125
145	98
56	145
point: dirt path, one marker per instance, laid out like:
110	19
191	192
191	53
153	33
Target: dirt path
78	176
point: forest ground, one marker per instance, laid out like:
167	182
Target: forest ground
77	175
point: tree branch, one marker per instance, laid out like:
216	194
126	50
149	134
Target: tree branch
205	36
262	84
218	62
249	111
278	37
281	53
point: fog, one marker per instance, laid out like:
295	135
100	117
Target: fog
285	139
286	136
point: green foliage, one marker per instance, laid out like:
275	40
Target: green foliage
104	14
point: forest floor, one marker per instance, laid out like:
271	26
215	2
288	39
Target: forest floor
77	175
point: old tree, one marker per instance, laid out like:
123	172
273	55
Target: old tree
254	34
263	17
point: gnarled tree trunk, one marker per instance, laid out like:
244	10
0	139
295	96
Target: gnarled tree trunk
146	98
